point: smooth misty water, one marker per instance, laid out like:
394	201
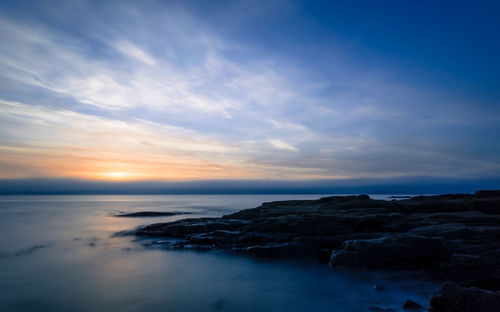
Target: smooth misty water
57	253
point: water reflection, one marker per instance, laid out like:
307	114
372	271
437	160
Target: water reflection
59	253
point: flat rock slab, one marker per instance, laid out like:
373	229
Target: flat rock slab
152	214
420	232
453	237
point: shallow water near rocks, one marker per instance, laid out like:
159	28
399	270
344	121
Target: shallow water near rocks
58	253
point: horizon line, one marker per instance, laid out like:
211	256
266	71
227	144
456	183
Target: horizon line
399	185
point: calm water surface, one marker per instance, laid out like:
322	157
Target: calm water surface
58	253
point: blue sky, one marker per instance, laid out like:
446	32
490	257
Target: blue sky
182	90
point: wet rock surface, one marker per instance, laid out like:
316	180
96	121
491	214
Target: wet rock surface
453	237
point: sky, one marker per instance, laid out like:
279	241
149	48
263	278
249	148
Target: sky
249	90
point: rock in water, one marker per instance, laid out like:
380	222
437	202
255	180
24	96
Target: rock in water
452	298
152	214
453	236
411	305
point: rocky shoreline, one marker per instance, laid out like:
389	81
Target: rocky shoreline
454	237
152	214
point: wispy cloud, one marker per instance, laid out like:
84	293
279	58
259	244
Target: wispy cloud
283	145
131	50
159	93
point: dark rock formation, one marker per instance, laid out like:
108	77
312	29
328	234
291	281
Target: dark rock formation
446	233
393	251
152	214
452	298
411	305
454	237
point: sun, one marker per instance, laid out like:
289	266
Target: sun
117	175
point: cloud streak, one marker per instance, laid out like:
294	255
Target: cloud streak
159	92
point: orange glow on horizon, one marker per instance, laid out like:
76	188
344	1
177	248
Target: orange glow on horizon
116	175
112	166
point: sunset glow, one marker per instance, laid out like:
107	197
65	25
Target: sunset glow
166	155
125	91
117	175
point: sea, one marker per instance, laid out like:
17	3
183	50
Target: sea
59	253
